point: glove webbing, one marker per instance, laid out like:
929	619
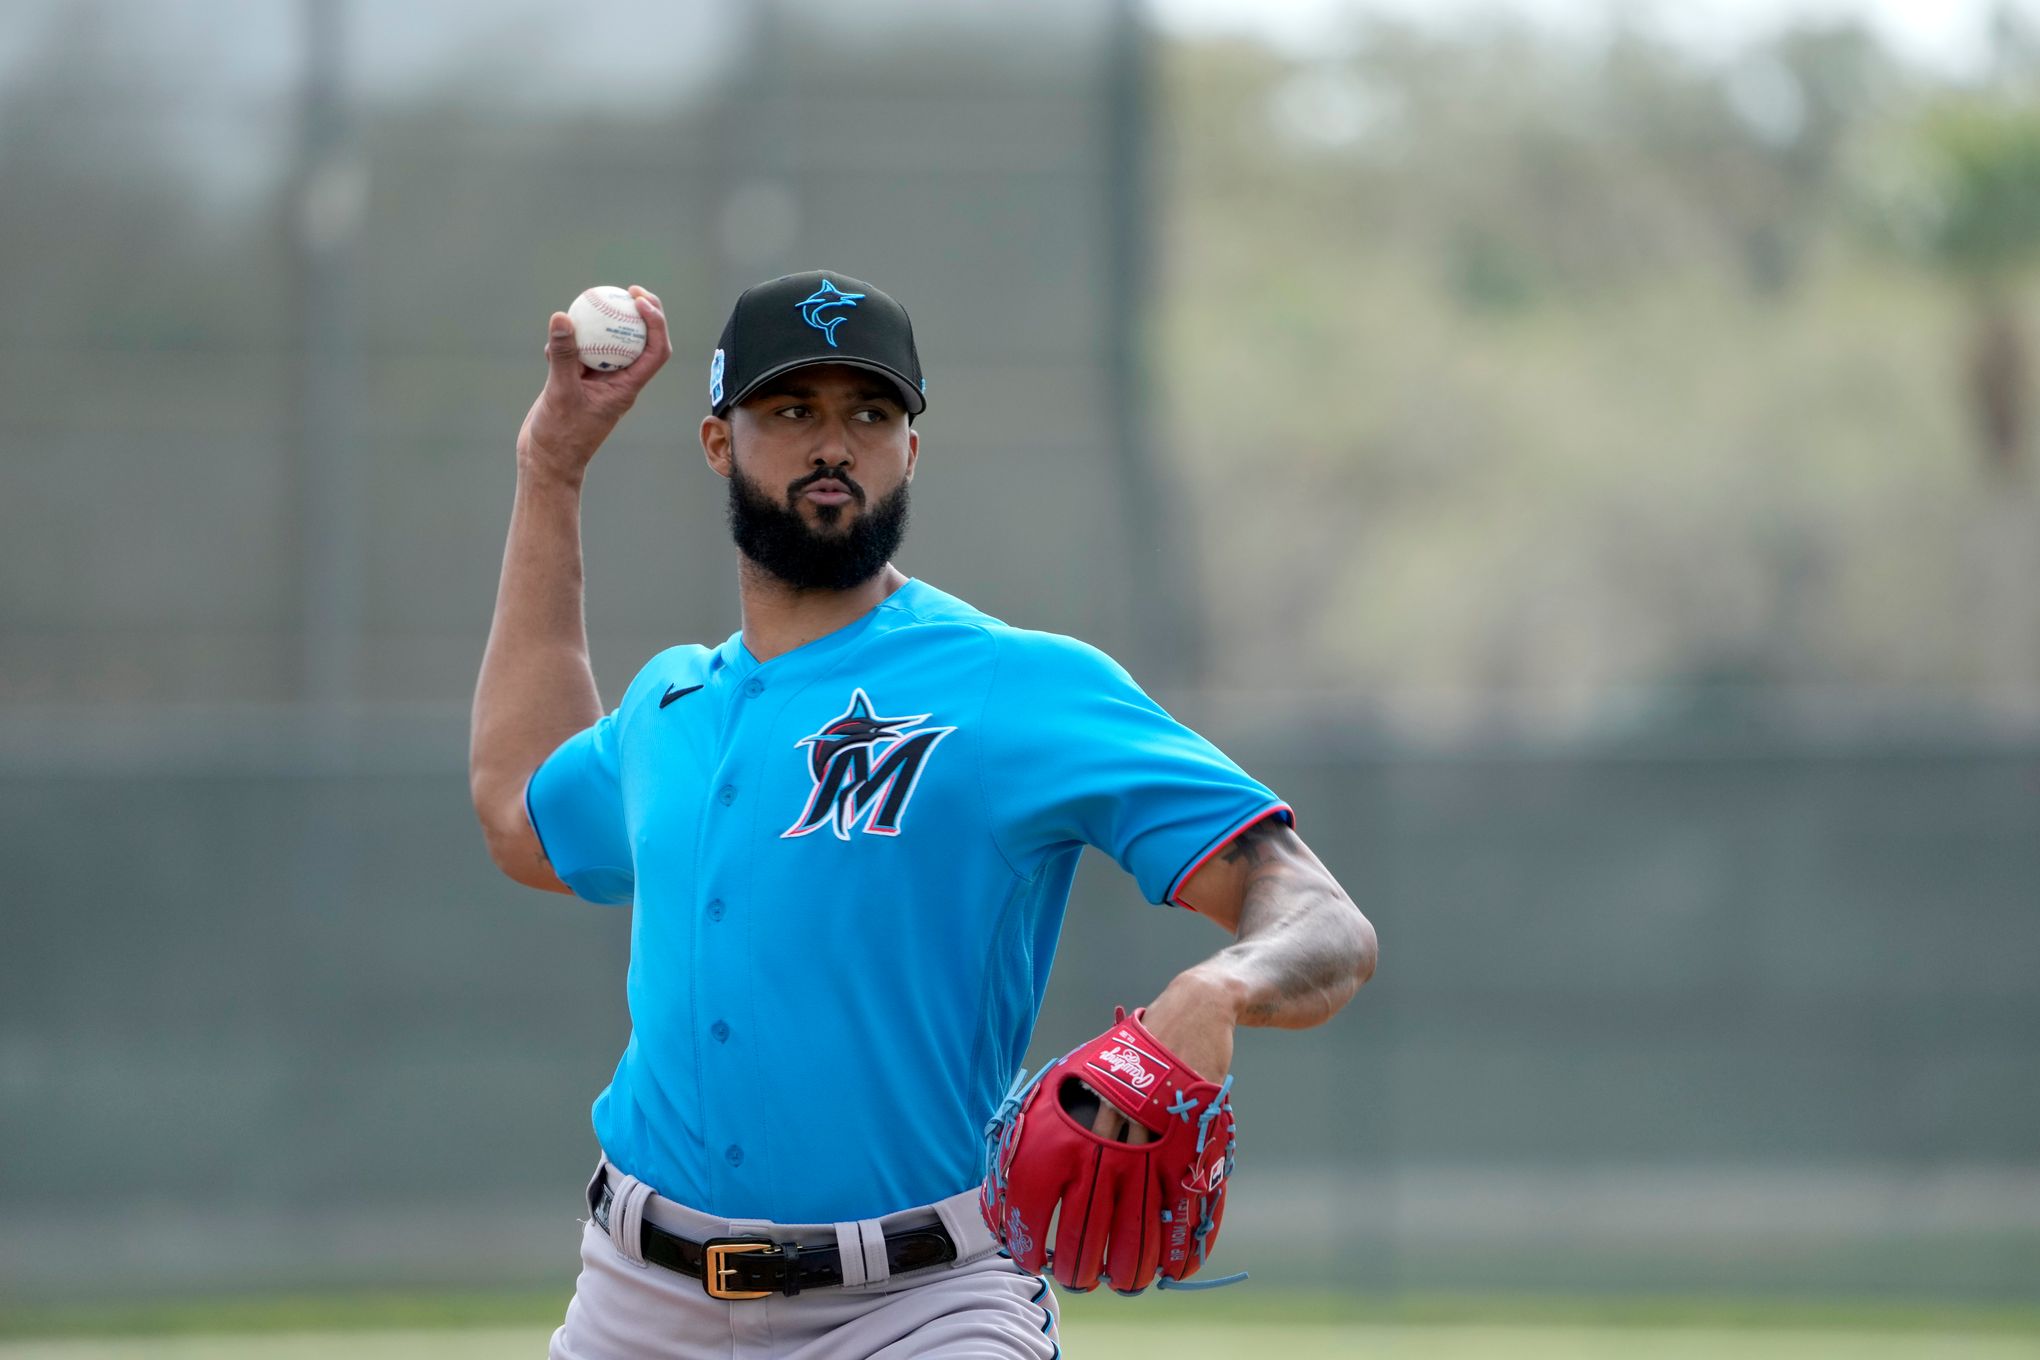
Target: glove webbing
1182	1108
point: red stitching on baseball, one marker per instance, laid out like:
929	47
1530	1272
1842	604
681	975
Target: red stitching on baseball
601	304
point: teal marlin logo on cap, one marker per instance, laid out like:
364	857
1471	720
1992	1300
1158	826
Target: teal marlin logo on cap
827	298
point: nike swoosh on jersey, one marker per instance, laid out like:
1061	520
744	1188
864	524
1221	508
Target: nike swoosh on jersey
672	694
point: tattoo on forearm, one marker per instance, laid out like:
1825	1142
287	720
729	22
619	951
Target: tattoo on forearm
1250	848
1296	940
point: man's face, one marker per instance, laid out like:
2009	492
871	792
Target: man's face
818	463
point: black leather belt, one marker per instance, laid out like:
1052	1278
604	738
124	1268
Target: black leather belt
753	1267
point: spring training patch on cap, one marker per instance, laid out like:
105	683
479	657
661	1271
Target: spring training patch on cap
715	372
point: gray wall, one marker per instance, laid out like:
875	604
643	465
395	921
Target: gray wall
1681	1006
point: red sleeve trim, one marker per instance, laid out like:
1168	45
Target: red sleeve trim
1282	810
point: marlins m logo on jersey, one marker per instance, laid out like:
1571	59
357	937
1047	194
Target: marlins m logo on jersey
865	768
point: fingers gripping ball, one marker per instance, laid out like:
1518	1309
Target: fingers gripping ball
1131	1213
607	328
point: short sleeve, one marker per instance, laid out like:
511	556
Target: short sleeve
1076	753
575	803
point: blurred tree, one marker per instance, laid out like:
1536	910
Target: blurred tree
1567	395
1804	97
1985	232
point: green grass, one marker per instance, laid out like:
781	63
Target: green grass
1153	1338
279	1313
1266	1323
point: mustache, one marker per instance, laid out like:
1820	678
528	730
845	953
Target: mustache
794	489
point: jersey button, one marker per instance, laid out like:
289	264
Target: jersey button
728	794
735	1155
754	687
715	910
721	1030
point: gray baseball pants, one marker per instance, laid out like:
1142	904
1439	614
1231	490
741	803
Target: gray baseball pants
980	1305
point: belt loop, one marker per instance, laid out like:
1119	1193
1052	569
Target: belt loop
627	1216
966	1224
877	1267
850	1253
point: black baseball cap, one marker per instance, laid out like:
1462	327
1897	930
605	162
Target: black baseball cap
819	317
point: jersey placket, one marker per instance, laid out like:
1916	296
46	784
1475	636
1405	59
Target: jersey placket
725	910
739	829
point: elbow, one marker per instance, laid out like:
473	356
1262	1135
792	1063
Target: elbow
492	795
1358	950
496	788
1347	966
1358	947
1367	950
520	857
1348	951
506	829
501	844
485	784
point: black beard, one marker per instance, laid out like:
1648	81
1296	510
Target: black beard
779	541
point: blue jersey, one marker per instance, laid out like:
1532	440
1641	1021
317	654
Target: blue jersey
848	867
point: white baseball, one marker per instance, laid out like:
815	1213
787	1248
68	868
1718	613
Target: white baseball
607	328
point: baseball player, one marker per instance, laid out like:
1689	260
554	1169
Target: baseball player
846	835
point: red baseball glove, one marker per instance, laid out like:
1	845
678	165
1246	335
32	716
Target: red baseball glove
1130	1211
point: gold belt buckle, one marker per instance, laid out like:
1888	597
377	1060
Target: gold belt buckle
714	1271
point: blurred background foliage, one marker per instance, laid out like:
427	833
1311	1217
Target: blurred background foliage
1522	379
1594	382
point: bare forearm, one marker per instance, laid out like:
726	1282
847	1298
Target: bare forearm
536	687
1302	951
1300	948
